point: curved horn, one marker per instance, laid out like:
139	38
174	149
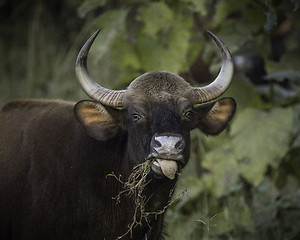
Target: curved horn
112	98
223	80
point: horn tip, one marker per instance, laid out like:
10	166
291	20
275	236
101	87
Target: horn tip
98	30
93	37
222	46
211	34
82	56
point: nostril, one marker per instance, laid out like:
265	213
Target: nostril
179	145
167	144
156	144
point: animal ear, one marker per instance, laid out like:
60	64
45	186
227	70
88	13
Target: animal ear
99	121
214	117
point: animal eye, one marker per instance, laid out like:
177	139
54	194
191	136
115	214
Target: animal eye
136	117
189	114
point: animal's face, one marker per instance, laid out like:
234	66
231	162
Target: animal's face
158	119
157	131
157	111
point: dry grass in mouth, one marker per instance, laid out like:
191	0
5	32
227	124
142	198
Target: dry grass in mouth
134	187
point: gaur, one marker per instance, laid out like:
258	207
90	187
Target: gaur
64	166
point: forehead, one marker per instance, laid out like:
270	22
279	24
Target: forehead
157	87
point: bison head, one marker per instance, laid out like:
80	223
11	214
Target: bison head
157	111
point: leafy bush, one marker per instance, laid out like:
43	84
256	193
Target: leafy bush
243	184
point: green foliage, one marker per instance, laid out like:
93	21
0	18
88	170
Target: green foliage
160	55
270	131
112	22
243	184
90	5
156	17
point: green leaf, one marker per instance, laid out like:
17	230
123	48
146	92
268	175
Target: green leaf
278	219
88	6
156	17
124	53
290	60
169	52
236	214
198	6
260	139
224	170
251	12
244	92
238	22
111	23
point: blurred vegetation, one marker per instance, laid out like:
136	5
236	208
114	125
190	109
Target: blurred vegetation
243	184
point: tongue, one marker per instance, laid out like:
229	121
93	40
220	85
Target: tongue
168	167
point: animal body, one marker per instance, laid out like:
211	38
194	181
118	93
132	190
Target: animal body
63	165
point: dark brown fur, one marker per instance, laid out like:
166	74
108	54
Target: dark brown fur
54	182
54	168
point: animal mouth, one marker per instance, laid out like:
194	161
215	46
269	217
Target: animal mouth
165	167
165	164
